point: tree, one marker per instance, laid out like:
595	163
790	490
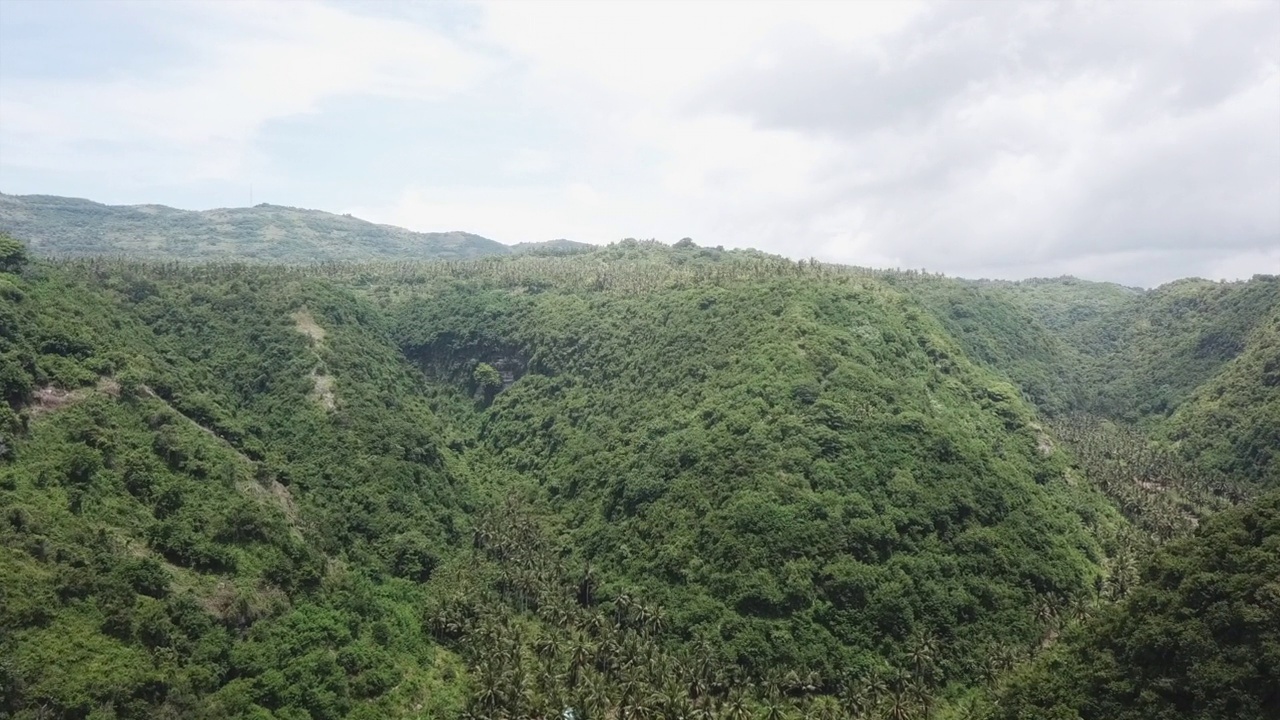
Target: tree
412	556
488	380
12	254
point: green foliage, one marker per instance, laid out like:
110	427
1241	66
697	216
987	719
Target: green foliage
174	537
698	480
804	474
487	379
12	254
1177	338
70	227
1231	424
996	329
1144	353
1198	637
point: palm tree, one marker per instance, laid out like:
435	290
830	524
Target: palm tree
824	708
736	708
489	694
595	698
774	708
623	607
875	686
899	706
587	587
856	699
921	652
922	694
546	648
1047	610
629	691
579	660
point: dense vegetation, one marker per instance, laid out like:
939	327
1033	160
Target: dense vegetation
1199	636
187	529
764	458
1231	424
71	227
639	482
1142	354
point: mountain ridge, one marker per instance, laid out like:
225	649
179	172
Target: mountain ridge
49	226
53	225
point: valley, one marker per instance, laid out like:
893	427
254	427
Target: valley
637	481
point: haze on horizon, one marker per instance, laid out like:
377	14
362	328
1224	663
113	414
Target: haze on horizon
1132	142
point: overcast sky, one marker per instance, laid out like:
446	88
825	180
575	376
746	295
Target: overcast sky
1126	141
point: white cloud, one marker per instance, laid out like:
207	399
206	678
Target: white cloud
989	137
1126	141
530	161
657	54
253	62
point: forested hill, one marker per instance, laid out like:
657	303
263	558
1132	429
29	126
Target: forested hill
1194	362
1197	638
641	481
71	227
1128	354
1146	352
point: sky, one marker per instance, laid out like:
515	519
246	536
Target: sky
1136	142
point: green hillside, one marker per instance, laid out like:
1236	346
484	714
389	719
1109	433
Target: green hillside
763	456
211	505
71	227
996	328
635	481
1231	424
1198	638
1144	353
1068	306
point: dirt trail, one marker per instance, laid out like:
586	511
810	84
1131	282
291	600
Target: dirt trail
322	384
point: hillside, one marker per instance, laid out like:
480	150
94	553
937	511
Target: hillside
1007	336
1142	354
212	496
71	227
768	443
1198	638
753	468
636	480
1231	424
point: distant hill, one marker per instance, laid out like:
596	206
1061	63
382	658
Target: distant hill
73	227
552	247
1142	353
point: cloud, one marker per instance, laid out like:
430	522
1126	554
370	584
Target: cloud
1000	133
1134	141
247	64
991	137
